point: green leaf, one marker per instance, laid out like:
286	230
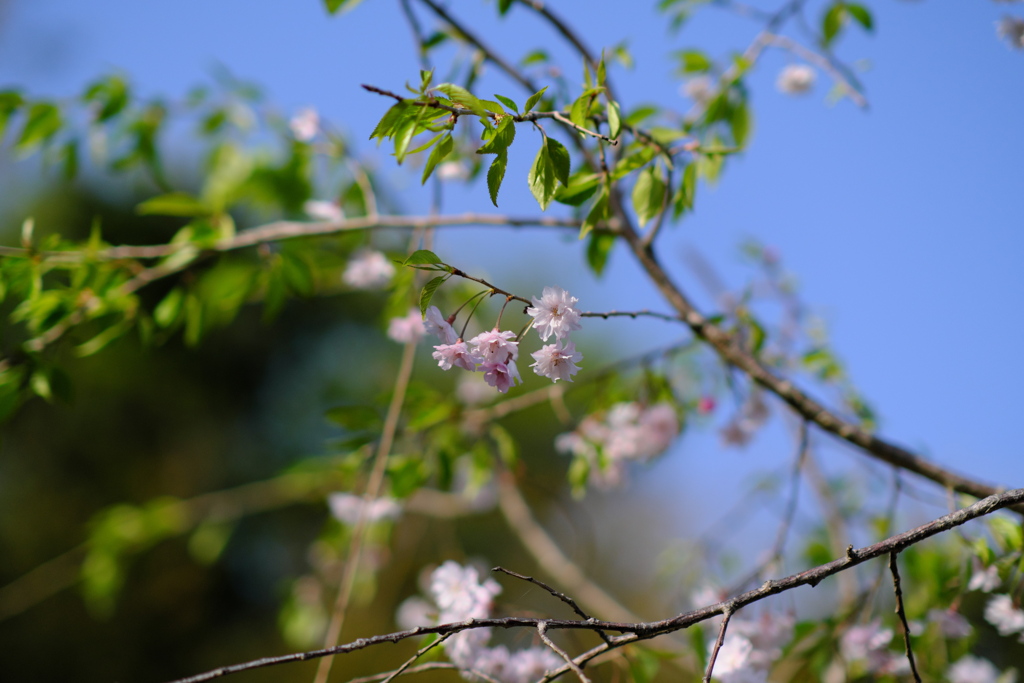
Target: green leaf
173	204
502	139
167	311
559	156
614	119
463	97
443	149
601	70
390	120
598	212
862	15
493	107
504	6
495	174
693	61
648	194
423	257
507	102
599	246
687	190
111	94
334	6
533	99
10	102
42	123
103	339
426	145
542	178
832	22
739	121
580	189
580	108
428	292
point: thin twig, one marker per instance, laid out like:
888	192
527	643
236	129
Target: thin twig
727	614
542	631
412	660
558	594
631	632
902	614
419	668
373	490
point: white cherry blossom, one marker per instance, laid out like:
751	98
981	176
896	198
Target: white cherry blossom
346	508
1001	613
971	669
322	210
557	362
554	313
795	79
305	124
368	269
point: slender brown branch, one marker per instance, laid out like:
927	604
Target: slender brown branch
412	660
727	614
733	352
902	613
542	631
420	668
490	54
632	632
630	314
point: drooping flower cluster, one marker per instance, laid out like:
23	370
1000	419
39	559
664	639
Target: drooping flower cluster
458	595
628	431
495	352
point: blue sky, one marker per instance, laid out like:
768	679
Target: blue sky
902	223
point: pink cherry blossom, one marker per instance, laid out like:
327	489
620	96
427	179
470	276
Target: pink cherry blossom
457	354
1001	613
407	330
439	327
557	362
495	346
501	376
555	313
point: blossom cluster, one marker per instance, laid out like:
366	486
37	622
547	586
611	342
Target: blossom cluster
496	352
627	432
751	646
458	595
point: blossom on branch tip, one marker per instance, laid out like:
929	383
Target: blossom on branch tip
407	330
457	354
439	327
557	362
368	269
554	313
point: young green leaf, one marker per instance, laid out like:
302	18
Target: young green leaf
693	61
598	212
42	123
502	139
687	191
495	174
10	101
579	189
614	119
861	15
559	156
428	292
443	149
173	204
463	97
534	99
578	113
542	178
504	6
507	102
832	22
599	246
648	194
335	6
422	257
390	120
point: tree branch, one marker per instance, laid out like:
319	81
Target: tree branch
632	632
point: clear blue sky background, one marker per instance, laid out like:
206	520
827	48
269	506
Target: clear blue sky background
902	224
